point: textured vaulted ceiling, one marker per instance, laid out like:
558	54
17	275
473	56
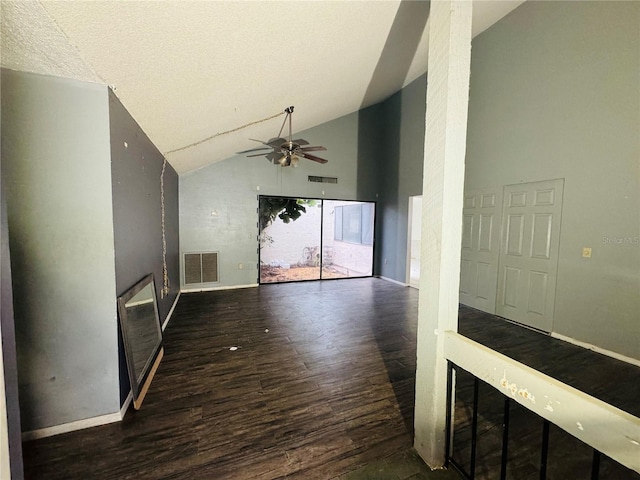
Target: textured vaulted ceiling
189	70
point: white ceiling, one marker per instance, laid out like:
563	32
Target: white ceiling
188	70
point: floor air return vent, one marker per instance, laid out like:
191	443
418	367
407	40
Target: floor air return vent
200	267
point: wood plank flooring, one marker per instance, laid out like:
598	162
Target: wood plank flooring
321	386
321	383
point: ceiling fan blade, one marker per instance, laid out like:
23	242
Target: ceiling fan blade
255	149
273	143
301	141
277	141
259	141
312	149
312	157
259	154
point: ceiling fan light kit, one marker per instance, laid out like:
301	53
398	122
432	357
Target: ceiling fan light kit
289	151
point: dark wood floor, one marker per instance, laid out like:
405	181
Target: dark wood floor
327	389
321	386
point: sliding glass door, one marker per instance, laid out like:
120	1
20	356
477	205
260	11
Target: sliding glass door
347	239
311	239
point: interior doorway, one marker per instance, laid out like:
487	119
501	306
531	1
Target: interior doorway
313	239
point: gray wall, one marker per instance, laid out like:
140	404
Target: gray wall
10	438
229	190
400	175
554	94
136	170
56	169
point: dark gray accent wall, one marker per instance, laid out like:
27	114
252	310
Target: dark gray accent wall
57	175
400	175
13	434
136	169
370	148
555	94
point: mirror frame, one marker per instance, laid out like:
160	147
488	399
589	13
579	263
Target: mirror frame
139	386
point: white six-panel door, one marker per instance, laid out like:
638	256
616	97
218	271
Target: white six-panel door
480	248
529	252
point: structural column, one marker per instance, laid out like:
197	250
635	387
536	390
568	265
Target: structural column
442	193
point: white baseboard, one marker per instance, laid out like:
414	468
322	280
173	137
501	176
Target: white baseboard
603	351
392	280
72	426
211	289
166	320
93	421
125	405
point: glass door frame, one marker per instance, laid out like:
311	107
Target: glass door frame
321	245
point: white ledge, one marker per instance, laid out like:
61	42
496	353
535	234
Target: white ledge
604	427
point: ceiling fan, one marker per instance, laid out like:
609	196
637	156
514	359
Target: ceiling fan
286	152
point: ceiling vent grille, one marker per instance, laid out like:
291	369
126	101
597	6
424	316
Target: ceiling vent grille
313	178
200	267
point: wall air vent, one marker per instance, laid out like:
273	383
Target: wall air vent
200	267
313	178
